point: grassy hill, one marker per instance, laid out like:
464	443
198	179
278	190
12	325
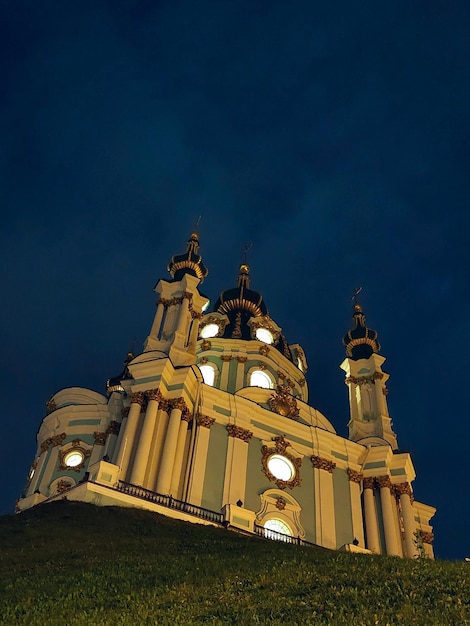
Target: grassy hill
71	563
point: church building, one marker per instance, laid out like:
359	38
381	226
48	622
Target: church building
211	423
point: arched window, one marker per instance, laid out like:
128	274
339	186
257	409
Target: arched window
208	374
259	378
274	526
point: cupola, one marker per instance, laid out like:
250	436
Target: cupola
360	342
188	263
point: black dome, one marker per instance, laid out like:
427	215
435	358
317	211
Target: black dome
188	263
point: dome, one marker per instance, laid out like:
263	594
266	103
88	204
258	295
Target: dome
188	263
360	342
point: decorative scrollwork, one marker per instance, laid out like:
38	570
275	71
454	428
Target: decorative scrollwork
280	447
354	476
283	403
204	420
100	438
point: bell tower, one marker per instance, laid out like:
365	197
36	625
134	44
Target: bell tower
175	327
369	422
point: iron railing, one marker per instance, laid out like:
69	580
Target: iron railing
170	502
267	533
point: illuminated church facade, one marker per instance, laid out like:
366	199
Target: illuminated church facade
211	423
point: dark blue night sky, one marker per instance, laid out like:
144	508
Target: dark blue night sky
333	136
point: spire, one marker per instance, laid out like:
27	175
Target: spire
244	276
190	262
360	342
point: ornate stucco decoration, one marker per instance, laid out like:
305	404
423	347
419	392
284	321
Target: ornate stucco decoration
204	420
281	503
319	462
55	441
164	405
138	397
403	488
100	438
219	320
226	357
369	482
239	433
426	536
206	345
63	485
283	403
354	476
154	394
178	404
113	428
264	350
50	406
364	380
384	481
280	447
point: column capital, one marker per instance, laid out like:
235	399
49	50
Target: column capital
369	482
319	462
154	394
178	403
186	416
426	536
384	481
137	397
239	433
354	476
164	405
204	420
113	428
100	437
402	488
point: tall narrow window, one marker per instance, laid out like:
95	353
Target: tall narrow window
208	374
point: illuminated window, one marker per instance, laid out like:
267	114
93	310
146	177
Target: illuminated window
208	374
74	458
263	334
260	379
206	306
273	526
280	467
210	330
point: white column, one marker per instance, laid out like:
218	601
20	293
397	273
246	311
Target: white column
37	472
356	508
391	539
241	360
179	454
324	501
129	429
144	443
157	322
235	466
169	449
158	442
198	470
183	314
370	513
409	522
194	330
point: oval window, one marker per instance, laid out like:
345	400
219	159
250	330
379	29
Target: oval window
281	468
265	335
209	330
74	458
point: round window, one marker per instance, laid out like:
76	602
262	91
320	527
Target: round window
281	468
73	458
209	330
265	335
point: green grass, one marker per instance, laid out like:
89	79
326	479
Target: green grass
71	563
